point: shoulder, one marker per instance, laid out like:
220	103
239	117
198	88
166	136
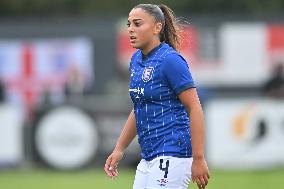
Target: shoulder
135	55
174	59
172	56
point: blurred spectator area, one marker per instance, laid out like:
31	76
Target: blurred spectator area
211	48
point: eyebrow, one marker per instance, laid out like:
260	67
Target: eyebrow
137	19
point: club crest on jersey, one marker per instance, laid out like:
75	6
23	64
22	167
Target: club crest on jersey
147	74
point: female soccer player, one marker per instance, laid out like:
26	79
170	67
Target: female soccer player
167	115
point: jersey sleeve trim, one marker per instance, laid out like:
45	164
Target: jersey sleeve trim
184	87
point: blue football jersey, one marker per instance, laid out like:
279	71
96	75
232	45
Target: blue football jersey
162	121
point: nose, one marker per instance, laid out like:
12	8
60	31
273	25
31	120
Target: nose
130	29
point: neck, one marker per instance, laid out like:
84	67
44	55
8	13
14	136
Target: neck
150	47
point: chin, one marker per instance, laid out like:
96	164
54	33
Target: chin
135	45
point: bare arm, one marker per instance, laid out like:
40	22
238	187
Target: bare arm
126	136
190	100
200	172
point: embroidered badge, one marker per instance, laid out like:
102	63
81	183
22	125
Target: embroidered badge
147	74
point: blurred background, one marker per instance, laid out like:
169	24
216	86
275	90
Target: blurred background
64	90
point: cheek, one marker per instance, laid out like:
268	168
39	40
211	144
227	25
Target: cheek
144	32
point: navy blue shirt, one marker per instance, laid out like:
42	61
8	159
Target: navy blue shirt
162	121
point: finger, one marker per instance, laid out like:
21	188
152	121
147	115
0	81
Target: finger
113	163
198	183
108	170
114	170
108	173
111	170
109	159
193	178
200	186
205	179
202	181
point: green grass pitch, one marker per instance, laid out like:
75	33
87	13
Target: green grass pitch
96	179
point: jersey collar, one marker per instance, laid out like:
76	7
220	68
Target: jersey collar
144	57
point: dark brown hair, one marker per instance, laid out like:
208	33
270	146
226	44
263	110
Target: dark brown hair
170	32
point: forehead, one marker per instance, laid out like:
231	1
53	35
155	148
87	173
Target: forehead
139	13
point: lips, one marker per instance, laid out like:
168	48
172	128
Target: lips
132	38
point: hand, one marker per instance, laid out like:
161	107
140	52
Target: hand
112	163
200	172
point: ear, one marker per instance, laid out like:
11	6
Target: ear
158	28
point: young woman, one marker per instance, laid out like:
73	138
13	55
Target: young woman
167	115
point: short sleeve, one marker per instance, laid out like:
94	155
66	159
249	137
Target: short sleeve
176	72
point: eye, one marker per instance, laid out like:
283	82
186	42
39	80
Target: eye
137	24
128	24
